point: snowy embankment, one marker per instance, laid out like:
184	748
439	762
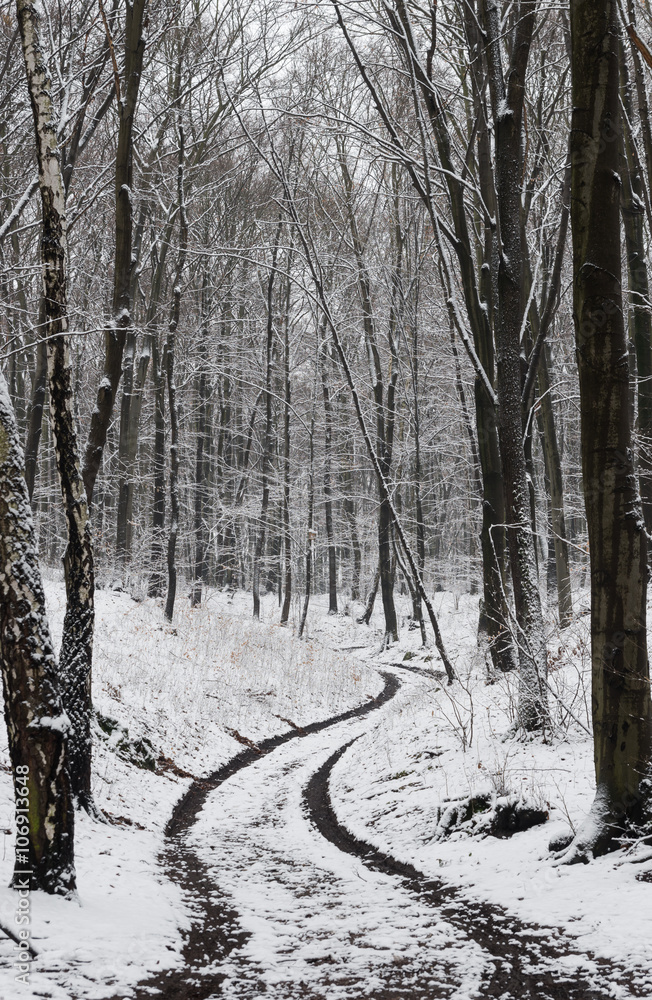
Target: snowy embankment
172	701
395	784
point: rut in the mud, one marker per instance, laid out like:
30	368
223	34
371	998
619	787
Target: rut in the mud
520	955
215	932
523	964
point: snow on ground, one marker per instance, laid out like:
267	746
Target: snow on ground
178	693
319	923
450	743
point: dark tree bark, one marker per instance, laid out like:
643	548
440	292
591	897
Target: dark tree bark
384	411
617	539
169	359
133	384
640	322
156	583
310	534
538	371
365	618
328	475
268	442
203	389
174	455
418	476
36	724
116	332
507	97
287	402
478	300
552	464
349	507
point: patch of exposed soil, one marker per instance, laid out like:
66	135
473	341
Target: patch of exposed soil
524	959
521	954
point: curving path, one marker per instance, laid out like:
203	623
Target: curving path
287	904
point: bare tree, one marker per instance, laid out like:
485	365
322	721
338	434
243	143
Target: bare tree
621	687
36	723
77	641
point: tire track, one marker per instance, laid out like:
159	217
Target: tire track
215	930
521	957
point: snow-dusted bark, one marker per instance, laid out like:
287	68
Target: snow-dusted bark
36	723
169	359
268	442
507	97
494	620
384	405
621	687
77	641
640	321
555	483
121	321
328	476
287	404
133	385
310	532
201	453
170	349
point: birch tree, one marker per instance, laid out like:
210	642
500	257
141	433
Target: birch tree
77	641
37	725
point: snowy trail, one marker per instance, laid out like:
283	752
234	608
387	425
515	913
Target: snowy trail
289	905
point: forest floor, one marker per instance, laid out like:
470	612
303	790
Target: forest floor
311	820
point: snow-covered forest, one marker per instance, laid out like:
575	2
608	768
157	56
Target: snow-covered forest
325	499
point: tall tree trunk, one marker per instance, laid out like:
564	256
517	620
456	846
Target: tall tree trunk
384	411
507	96
385	567
169	360
116	332
621	686
310	534
170	348
493	620
287	401
328	477
156	581
77	640
348	505
268	443
552	463
418	476
155	587
200	456
133	384
36	724
365	618
640	322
